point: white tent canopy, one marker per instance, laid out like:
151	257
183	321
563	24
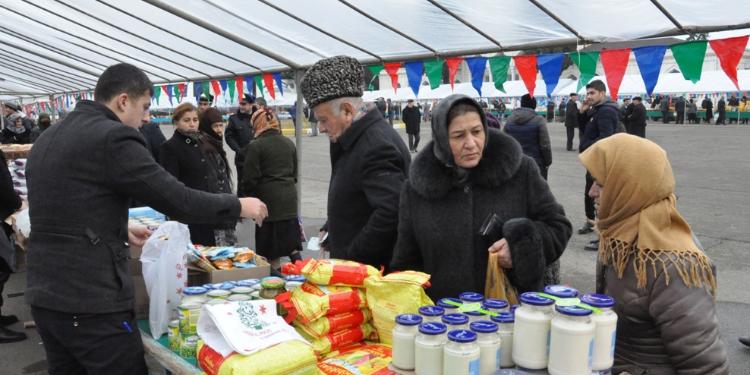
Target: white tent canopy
54	46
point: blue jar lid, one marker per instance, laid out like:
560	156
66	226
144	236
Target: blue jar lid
474	313
248	282
462	336
432	328
208	286
573	310
504	317
483	326
299	278
227	285
194	291
491	303
455	319
471	297
534	299
445	305
431	310
561	291
409	319
598	300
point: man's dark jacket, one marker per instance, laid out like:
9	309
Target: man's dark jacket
81	175
154	138
238	134
598	122
412	119
571	114
369	163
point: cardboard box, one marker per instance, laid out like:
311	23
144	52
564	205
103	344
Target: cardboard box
197	276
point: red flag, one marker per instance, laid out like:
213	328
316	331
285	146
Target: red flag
614	61
729	51
182	87
268	81
392	69
217	89
240	83
526	66
452	63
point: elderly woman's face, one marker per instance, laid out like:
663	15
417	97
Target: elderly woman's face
188	122
466	138
595	193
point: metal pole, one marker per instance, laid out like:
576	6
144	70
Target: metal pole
300	118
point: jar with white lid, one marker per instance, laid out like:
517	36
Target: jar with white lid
238	298
242	290
218	293
404	333
461	353
531	331
505	330
495	305
194	294
456	321
428	349
561	291
188	317
490	348
605	330
571	341
431	313
449	307
471	297
250	283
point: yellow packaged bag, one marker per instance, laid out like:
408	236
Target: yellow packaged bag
333	323
331	271
310	302
394	294
340	339
359	359
288	358
497	285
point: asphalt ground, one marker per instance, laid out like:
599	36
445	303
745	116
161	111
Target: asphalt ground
713	184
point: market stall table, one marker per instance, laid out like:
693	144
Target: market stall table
15	151
159	350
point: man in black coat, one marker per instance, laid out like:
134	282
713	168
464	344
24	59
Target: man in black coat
154	138
9	203
571	120
665	112
679	107
721	109
550	110
239	133
708	105
81	175
412	119
369	163
637	118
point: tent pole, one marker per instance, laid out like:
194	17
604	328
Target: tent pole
299	120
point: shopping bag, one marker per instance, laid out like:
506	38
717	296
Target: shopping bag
164	261
497	285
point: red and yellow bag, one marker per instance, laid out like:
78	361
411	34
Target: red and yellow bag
291	357
331	271
359	359
310	302
394	294
333	323
340	339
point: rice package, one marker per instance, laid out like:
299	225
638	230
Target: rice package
288	358
341	339
360	359
394	294
333	323
311	302
332	271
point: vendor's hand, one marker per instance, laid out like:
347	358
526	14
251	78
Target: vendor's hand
254	208
503	253
138	234
321	235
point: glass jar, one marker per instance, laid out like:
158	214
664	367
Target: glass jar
571	341
188	347
428	349
173	335
471	297
490	348
404	334
239	298
188	317
194	294
272	287
249	283
242	290
218	294
456	321
561	291
448	307
505	330
605	331
461	353
431	313
495	305
475	316
531	331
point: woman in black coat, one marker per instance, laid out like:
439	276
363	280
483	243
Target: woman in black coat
464	176
196	157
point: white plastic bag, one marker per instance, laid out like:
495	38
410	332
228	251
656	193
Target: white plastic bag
164	261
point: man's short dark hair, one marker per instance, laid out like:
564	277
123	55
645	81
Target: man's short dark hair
121	78
597	85
572	94
528	101
638	98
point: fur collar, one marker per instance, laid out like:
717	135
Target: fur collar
502	158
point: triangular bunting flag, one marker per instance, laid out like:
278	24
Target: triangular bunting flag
477	66
392	69
614	61
182	87
206	89
168	90
231	86
216	88
375	71
414	72
259	84
250	85
434	71
499	69
729	51
240	83
526	66
157	94
279	83
690	57
550	65
586	63
452	63
649	61
268	81
197	90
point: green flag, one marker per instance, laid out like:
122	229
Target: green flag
375	70
499	68
207	89
586	63
176	92
232	85
157	93
434	71
689	57
259	84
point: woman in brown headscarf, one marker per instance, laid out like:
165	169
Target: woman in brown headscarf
270	173
651	263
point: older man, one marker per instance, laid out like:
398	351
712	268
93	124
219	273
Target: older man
369	162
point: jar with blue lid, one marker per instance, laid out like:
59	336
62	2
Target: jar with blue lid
561	291
455	321
495	305
431	313
571	341
490	348
475	316
194	294
531	331
471	297
449	307
249	283
505	322
404	333
461	353
428	348
605	330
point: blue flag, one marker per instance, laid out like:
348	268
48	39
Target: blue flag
414	72
277	79
169	93
197	90
649	61
477	66
550	65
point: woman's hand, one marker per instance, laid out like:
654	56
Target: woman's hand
503	253
138	234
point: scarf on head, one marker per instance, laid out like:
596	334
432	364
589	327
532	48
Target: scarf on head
638	219
264	120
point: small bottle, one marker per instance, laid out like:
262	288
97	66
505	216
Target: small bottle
505	329
571	341
490	348
495	305
471	297
456	321
404	334
431	313
193	294
531	331
428	349
605	331
449	307
461	353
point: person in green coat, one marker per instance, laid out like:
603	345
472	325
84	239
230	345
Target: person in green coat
270	174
